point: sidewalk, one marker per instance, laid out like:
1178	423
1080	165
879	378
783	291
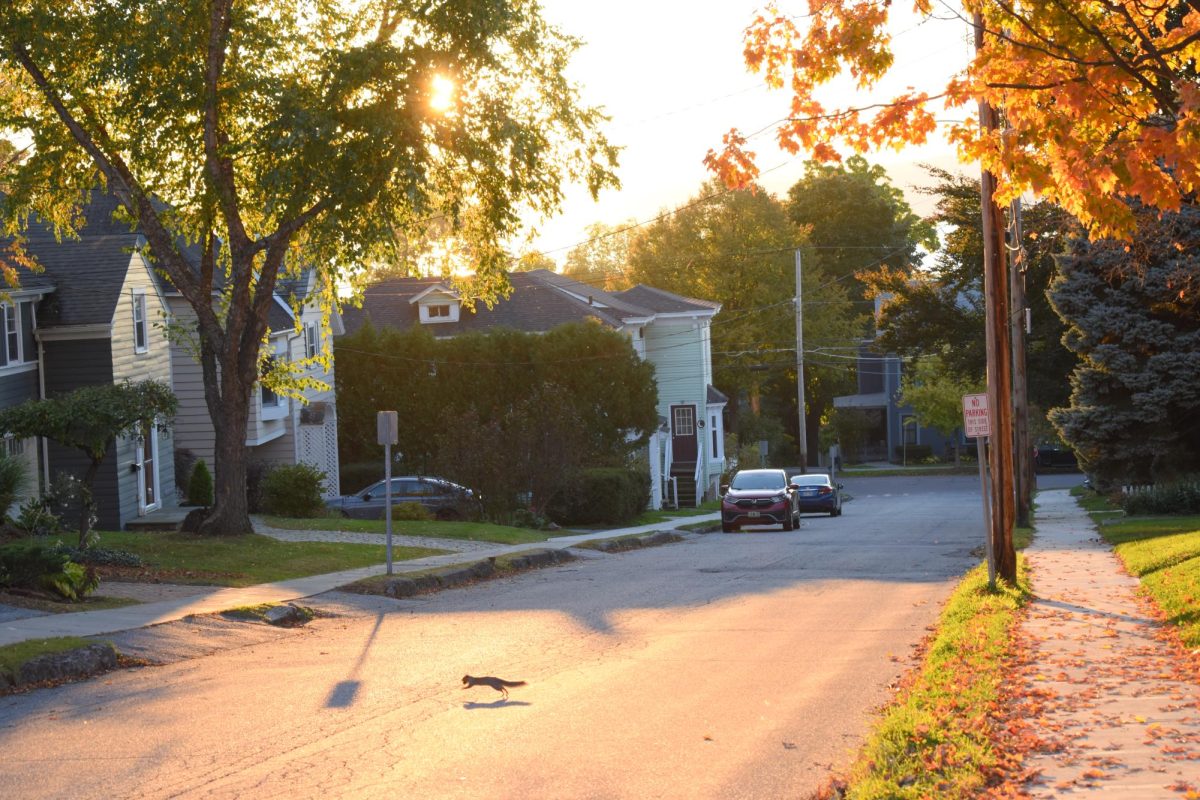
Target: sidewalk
1121	705
93	623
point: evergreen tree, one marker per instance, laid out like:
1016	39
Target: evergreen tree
1134	413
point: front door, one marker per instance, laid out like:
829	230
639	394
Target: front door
683	433
148	474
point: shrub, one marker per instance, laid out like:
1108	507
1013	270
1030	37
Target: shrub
200	486
603	494
256	473
34	565
13	478
294	490
103	557
914	453
185	460
358	476
414	512
1168	498
36	518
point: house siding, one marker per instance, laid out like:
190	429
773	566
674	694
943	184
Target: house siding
17	387
153	364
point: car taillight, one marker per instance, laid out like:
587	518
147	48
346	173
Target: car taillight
825	490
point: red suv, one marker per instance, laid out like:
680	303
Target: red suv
760	497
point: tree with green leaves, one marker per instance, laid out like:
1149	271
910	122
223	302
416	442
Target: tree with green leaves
939	310
503	412
603	260
90	419
856	219
269	136
1133	311
935	393
738	248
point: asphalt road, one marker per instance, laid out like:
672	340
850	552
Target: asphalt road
728	666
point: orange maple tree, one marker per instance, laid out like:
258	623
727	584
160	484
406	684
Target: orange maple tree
1099	97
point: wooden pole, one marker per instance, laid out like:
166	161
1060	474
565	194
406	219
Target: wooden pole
802	438
999	355
1022	447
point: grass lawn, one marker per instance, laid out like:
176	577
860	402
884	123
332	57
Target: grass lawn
935	740
12	656
1165	553
474	531
55	605
241	560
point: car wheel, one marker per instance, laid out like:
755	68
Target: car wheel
789	523
727	528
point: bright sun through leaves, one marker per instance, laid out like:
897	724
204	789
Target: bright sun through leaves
442	97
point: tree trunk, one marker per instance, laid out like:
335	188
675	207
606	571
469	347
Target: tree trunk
231	512
87	503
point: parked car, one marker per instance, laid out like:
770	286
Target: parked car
760	497
1052	455
818	492
444	499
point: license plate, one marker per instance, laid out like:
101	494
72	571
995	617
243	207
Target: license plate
754	514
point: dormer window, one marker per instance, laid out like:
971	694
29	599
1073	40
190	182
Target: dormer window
439	311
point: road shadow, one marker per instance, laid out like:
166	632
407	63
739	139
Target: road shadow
471	705
345	692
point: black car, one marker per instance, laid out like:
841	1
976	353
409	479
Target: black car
818	492
760	497
445	500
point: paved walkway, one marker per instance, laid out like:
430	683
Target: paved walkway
1112	694
215	599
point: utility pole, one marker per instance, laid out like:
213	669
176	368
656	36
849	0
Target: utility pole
999	354
1022	448
802	439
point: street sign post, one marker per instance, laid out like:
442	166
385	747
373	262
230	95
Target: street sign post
977	424
387	424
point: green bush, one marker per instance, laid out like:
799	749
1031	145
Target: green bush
611	495
34	565
13	478
294	490
414	512
358	476
36	518
200	486
1168	498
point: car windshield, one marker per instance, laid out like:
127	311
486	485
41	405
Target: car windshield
757	480
810	480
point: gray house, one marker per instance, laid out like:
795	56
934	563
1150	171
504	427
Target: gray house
89	320
95	316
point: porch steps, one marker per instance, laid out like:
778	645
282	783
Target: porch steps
165	519
684	473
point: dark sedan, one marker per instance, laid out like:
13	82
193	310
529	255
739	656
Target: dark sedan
760	497
443	499
818	493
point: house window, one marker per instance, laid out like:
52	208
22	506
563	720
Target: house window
909	423
12	335
13	446
439	311
141	335
685	422
716	447
269	398
312	340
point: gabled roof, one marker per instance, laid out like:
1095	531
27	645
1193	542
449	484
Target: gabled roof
533	306
715	396
540	300
88	275
664	302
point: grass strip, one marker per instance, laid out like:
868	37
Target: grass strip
1165	553
937	738
471	531
244	560
12	656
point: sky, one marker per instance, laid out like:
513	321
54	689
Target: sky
670	75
